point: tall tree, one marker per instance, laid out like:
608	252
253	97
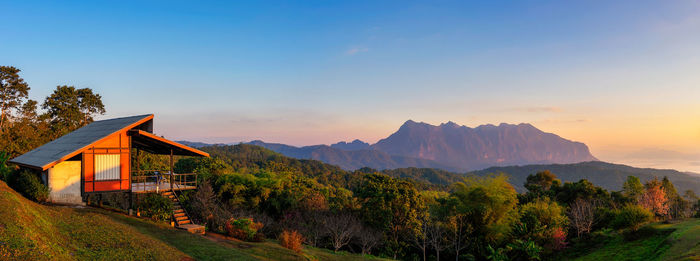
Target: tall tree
420	236
390	205
489	205
13	90
540	182
654	198
341	227
368	239
70	108
669	189
436	232
632	187
582	215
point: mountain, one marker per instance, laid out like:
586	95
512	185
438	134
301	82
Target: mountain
350	159
195	144
484	146
607	175
447	146
354	145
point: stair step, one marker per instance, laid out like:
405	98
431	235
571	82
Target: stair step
177	211
177	215
180	219
194	229
184	222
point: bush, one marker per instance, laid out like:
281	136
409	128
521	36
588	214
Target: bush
632	216
29	185
604	217
156	207
244	229
5	170
291	240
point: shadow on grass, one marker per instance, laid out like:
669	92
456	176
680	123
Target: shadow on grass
195	246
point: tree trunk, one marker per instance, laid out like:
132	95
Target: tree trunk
438	254
2	119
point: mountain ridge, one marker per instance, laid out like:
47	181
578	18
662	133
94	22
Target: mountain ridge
448	146
483	146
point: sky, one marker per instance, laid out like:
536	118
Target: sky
621	76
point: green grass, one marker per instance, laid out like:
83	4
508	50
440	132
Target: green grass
212	248
679	241
30	231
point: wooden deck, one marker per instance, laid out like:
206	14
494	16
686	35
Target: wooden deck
147	187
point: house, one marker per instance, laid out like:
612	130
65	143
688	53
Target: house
100	157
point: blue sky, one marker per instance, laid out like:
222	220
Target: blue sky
619	76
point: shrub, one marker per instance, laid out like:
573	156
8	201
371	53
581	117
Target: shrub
524	250
604	218
29	185
558	239
291	240
5	170
156	207
244	229
632	216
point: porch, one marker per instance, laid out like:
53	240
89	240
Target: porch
157	181
163	179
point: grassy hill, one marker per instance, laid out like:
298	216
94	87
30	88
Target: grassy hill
680	241
30	231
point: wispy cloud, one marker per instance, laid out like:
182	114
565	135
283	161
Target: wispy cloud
356	50
535	109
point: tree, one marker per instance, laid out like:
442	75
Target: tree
13	90
389	205
452	213
632	187
540	182
669	189
678	207
632	216
489	207
583	188
582	215
420	236
341	227
25	132
654	198
368	239
540	220
70	108
436	232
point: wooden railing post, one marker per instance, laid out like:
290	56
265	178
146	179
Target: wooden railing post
172	172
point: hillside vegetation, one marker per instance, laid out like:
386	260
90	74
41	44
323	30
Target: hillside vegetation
607	175
31	231
680	241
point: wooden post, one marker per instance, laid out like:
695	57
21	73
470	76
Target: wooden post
172	172
138	167
131	202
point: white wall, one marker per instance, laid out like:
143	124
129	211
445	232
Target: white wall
64	183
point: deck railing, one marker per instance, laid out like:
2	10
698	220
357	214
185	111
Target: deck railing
157	180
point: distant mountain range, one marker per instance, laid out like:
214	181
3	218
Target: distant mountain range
448	146
607	175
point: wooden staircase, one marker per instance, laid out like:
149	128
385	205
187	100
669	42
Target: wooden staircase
182	220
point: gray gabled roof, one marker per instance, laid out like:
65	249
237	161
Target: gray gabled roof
75	142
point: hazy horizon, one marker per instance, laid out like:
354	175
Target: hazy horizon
620	77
